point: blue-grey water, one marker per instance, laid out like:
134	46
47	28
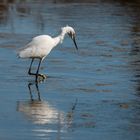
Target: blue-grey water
92	93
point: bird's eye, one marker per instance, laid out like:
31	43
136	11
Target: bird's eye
70	34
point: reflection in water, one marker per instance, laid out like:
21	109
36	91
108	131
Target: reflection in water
3	13
13	13
43	113
39	112
108	31
93	1
135	49
37	89
135	67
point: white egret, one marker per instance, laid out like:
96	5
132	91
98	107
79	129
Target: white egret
41	46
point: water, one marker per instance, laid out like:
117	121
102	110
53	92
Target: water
92	93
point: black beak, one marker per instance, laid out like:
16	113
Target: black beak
72	36
75	43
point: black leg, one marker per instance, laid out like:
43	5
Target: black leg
29	87
37	89
38	92
37	72
29	72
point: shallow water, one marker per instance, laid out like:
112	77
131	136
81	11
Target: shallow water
92	93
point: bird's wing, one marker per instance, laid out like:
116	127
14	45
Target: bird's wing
38	47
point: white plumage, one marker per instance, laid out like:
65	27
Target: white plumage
41	45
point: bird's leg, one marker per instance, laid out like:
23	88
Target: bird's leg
29	87
38	91
37	72
29	72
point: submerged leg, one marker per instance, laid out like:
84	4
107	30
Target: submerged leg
37	72
29	87
38	92
31	91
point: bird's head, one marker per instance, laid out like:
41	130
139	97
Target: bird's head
70	31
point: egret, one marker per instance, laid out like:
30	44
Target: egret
40	46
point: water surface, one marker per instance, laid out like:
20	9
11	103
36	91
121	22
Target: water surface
92	93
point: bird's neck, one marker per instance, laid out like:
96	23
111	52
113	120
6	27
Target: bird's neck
59	39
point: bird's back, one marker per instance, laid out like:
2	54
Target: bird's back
39	47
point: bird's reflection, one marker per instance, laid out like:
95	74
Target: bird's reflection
38	111
30	84
42	112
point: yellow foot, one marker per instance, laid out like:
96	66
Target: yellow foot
42	77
